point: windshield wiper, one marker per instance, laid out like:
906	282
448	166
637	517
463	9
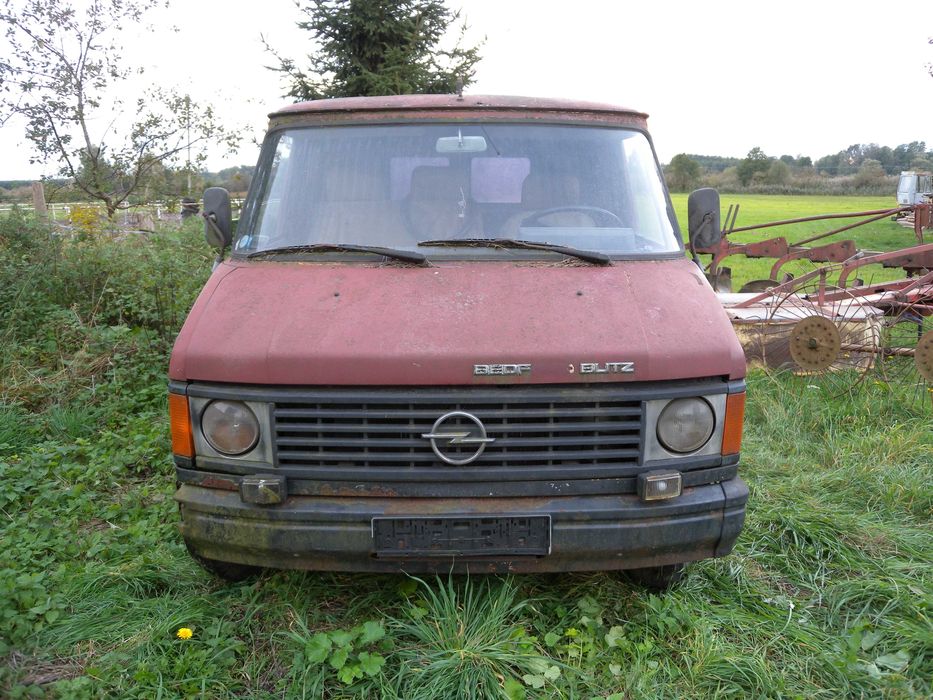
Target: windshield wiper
406	255
587	255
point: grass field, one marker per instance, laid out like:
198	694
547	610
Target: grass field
828	594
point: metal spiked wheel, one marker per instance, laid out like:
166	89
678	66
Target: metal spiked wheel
815	342
923	357
822	337
907	352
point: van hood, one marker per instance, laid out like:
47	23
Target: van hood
351	324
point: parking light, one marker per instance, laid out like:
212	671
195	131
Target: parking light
180	424
659	485
732	427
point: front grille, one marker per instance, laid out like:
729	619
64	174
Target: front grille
534	427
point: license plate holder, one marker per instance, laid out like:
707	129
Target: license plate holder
446	536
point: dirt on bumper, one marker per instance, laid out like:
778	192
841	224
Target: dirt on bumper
587	533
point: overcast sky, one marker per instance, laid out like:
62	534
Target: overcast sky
717	78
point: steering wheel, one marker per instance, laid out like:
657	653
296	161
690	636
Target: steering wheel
604	214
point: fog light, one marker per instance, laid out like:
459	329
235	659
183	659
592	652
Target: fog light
657	486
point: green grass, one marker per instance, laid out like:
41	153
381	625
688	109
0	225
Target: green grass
827	595
879	236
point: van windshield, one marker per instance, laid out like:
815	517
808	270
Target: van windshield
396	186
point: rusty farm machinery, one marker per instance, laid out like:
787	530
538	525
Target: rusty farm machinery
827	326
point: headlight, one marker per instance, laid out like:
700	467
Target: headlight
686	424
230	427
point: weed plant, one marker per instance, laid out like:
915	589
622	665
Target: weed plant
828	594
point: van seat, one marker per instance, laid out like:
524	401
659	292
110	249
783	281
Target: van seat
439	205
548	191
355	208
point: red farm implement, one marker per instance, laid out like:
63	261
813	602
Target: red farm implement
828	327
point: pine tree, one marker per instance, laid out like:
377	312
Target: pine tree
378	47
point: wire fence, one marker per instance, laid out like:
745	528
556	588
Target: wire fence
158	210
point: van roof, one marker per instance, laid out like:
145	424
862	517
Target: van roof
415	106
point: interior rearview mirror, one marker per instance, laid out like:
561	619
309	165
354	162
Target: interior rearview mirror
703	218
460	144
218	218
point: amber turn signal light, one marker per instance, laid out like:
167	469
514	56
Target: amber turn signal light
732	429
180	421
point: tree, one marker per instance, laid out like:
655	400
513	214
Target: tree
829	164
922	163
59	73
778	173
713	164
882	154
906	153
682	172
236	179
870	173
755	162
378	47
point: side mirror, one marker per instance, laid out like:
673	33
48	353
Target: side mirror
702	218
218	218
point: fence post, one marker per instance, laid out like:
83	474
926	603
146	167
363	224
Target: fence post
38	201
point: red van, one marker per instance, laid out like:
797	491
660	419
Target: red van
457	334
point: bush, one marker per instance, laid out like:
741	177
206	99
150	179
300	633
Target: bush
87	219
75	305
801	182
870	174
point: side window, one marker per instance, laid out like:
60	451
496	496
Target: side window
498	180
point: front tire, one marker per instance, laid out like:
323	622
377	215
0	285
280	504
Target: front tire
656	578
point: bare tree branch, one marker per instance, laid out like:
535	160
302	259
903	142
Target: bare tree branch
61	64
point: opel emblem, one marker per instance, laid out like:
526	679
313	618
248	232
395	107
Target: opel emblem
453	429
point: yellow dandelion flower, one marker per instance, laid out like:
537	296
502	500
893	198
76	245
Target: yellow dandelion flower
184	633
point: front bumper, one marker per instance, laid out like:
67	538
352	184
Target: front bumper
589	533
